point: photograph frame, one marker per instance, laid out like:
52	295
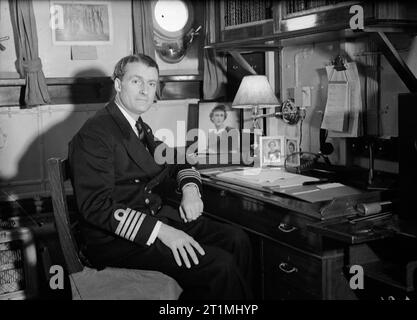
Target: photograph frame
97	29
207	126
293	161
270	157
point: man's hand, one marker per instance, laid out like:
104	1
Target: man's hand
180	243
191	206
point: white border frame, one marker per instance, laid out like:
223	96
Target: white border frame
262	163
80	2
297	149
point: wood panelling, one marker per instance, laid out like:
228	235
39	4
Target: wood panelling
96	89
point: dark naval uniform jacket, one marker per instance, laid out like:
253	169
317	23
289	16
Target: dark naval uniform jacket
114	173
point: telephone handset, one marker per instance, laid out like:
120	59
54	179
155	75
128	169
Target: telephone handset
326	148
308	160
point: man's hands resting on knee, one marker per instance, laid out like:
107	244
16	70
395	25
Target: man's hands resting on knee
181	244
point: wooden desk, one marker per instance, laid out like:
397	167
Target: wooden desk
291	261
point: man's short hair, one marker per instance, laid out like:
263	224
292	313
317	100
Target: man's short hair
120	68
219	107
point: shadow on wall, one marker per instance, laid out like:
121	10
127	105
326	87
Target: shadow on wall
55	126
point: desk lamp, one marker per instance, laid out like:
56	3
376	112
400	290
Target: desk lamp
254	93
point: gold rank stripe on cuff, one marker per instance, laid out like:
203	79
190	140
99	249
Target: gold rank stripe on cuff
188	173
129	223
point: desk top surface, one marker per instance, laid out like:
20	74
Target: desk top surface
323	210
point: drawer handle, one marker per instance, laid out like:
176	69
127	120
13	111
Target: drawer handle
287	268
286	228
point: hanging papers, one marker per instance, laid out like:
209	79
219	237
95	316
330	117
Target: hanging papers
338	99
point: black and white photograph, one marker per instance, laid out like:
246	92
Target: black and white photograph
272	152
218	126
216	157
291	152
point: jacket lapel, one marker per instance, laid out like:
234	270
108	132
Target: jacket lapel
135	148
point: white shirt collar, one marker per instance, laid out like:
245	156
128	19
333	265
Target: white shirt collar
219	131
128	117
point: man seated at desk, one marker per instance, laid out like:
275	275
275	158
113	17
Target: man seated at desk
124	223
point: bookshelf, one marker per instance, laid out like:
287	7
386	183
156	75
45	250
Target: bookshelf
239	19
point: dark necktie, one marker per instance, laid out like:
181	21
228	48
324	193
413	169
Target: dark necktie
141	134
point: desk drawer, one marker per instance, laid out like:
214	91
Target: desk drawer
291	274
278	223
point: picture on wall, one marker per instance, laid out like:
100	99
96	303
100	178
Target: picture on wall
271	151
218	126
81	22
292	149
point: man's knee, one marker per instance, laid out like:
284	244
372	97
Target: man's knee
240	238
223	262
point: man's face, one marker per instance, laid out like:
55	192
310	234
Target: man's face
137	88
272	146
218	118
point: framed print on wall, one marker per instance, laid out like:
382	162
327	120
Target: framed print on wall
81	22
271	151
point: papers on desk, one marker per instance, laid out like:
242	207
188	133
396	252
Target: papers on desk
266	177
320	192
277	180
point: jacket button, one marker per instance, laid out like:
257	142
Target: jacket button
137	180
152	212
147	201
149	191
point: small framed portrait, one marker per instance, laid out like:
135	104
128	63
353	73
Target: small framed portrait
291	152
271	151
218	126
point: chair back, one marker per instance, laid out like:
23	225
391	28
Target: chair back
58	173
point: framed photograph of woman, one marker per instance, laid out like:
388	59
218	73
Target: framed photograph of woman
218	126
291	152
271	151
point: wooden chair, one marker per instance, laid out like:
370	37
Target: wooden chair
109	283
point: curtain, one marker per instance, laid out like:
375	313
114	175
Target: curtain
28	63
143	31
143	27
214	70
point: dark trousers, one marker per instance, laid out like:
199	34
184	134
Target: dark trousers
224	272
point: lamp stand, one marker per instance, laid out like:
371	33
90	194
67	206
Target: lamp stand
255	117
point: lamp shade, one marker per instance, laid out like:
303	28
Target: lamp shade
255	91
